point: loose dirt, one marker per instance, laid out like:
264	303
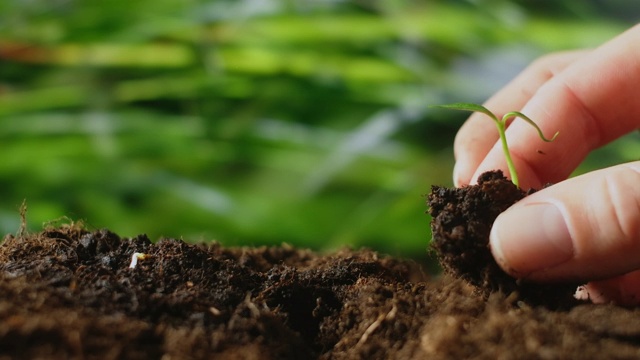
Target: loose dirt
71	293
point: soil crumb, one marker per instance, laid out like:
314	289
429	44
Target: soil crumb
70	293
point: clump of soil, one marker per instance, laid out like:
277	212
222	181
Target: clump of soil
70	293
462	219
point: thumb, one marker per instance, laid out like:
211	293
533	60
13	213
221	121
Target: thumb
581	229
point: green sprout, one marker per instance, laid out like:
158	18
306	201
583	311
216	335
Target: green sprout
502	126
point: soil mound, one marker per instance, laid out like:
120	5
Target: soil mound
69	293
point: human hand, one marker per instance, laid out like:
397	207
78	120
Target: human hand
582	229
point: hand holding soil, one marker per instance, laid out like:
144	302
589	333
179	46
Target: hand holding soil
582	229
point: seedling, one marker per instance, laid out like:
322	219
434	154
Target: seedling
501	124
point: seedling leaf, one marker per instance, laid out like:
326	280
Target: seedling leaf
469	107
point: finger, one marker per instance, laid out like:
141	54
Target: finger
583	229
591	102
622	290
478	134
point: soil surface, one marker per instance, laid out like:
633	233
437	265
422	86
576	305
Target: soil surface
71	293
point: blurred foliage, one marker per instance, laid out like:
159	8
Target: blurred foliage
259	121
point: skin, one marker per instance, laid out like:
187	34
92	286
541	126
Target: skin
585	228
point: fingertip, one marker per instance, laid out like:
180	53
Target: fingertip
459	175
466	172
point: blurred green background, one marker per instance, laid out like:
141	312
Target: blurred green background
260	121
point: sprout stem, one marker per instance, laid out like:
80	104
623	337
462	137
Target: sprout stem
507	154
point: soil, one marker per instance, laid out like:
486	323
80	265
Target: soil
71	293
462	219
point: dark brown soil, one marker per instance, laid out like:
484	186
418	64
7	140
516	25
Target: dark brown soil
69	293
462	219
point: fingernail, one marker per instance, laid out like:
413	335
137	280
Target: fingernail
529	238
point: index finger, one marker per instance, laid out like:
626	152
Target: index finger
478	135
591	102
